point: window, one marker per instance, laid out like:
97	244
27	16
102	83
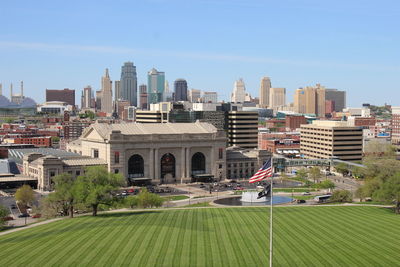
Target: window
116	171
220	153
69	172
116	157
220	166
52	173
78	173
95	153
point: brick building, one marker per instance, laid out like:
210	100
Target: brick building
293	122
66	95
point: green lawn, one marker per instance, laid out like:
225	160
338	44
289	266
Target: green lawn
173	198
304	236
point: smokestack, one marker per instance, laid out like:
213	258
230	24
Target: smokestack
11	91
22	88
1	89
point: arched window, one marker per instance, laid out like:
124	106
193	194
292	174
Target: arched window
198	163
135	166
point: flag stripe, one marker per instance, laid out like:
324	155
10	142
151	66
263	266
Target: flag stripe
264	172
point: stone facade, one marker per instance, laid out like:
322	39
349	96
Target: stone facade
168	153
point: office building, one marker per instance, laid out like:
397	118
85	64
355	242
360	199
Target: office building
243	129
396	126
338	97
155	86
87	97
209	97
128	83
143	97
98	100
277	97
310	100
194	95
66	95
117	90
265	86
106	93
239	94
180	89
327	139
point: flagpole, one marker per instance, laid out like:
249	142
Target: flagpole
270	223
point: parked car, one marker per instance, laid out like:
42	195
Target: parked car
13	206
306	193
23	215
238	188
300	201
8	218
38	215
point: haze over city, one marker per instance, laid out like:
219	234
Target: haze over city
351	46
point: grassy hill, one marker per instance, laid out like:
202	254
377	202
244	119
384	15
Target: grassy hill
304	236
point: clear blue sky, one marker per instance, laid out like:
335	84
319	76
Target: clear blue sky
351	45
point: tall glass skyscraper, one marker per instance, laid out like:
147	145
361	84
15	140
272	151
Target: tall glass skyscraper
128	83
180	88
155	86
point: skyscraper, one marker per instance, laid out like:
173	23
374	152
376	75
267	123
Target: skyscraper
194	95
143	96
310	100
180	89
128	85
265	87
239	94
106	93
117	90
209	97
155	86
277	97
339	98
87	97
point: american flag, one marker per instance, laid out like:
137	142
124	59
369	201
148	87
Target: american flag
264	172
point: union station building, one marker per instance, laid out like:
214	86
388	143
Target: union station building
157	152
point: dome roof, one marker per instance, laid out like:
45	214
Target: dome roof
28	103
4	102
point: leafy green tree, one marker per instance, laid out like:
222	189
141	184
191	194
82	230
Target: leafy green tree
49	206
341	196
132	201
326	184
301	174
315	174
65	192
25	195
148	200
4	212
342	169
389	192
96	186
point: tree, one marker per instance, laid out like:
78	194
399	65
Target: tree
301	174
315	174
49	207
96	187
389	192
326	184
65	192
148	200
342	169
341	196
132	201
4	212
25	195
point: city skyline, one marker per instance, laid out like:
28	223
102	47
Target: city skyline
357	53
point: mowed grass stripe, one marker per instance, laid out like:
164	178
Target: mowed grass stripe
303	236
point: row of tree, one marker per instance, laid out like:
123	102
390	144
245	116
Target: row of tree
94	188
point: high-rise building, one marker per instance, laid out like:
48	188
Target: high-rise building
327	139
117	90
239	94
209	97
106	93
143	96
243	129
310	100
98	100
180	89
194	95
66	95
339	98
155	86
396	126
128	83
277	97
265	86
87	97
